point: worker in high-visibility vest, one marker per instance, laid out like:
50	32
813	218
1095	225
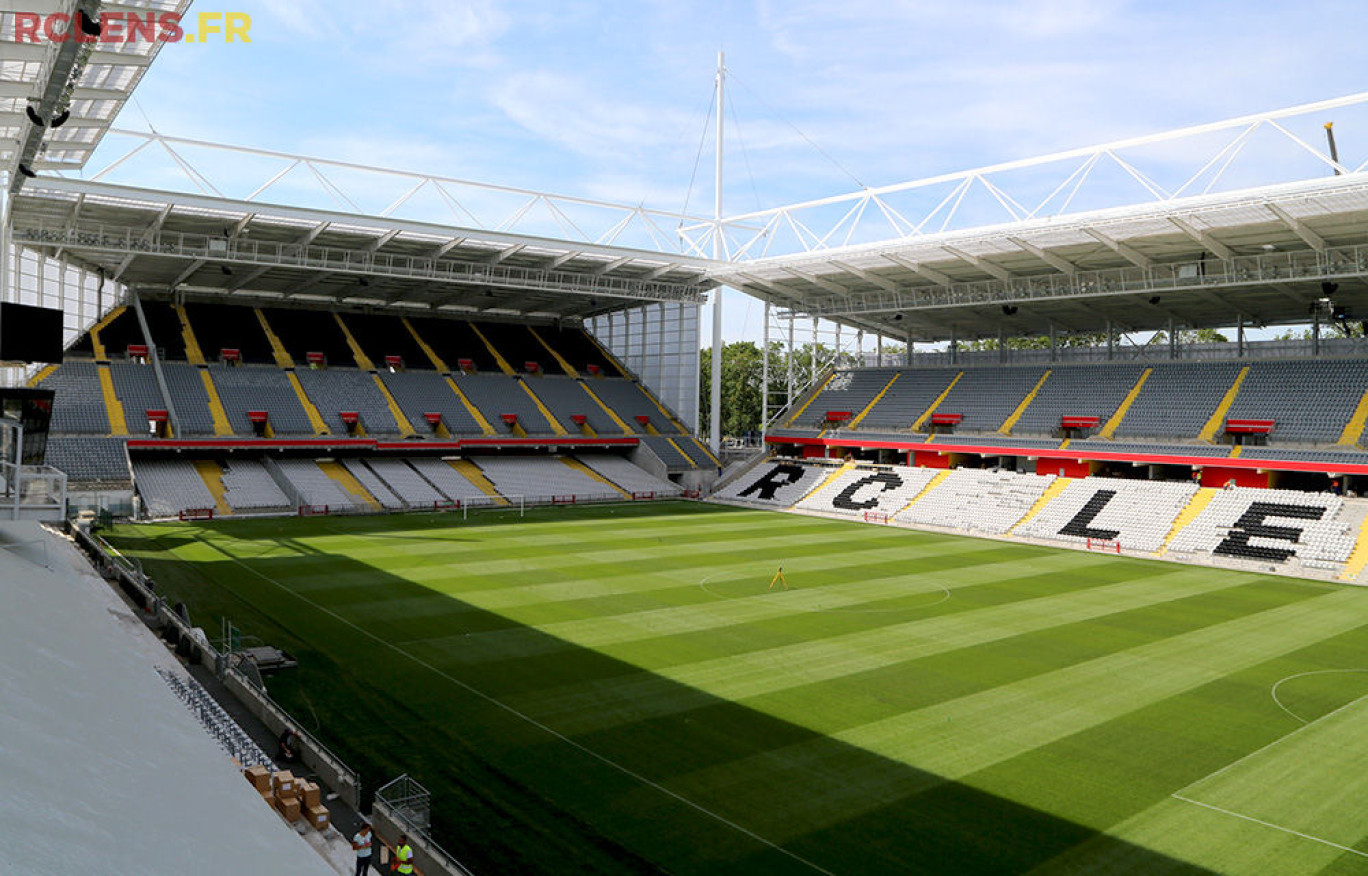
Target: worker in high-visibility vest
403	855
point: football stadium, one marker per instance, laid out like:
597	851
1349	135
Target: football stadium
1043	550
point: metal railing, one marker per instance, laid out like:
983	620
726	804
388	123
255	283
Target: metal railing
404	806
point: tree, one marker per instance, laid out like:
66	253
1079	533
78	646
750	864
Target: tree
742	367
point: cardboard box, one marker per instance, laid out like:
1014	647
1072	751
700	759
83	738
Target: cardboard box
310	795
260	777
285	784
289	807
318	817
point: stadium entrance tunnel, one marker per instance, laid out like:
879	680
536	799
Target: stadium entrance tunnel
405	679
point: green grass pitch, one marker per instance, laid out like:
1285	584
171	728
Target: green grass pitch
617	690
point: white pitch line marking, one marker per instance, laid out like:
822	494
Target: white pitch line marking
1259	821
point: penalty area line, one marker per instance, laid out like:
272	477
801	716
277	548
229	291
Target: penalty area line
1262	823
603	759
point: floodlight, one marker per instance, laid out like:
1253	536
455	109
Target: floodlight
33	116
61	119
89	26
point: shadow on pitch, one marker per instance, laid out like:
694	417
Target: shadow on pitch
509	795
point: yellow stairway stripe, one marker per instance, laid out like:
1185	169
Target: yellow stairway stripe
118	425
612	414
221	424
405	427
472	472
484	424
1353	430
428	351
1065	445
810	399
707	451
680	451
607	354
551	420
1358	558
348	482
854	423
1017	414
282	355
310	409
1236	450
499	359
926	414
931	485
100	326
669	418
826	481
590	473
212	475
1195	506
1046	498
1114	421
38	378
193	354
1218	418
560	360
362	360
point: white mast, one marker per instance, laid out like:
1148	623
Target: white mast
715	410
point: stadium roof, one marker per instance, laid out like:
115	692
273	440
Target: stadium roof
1179	226
245	249
92	80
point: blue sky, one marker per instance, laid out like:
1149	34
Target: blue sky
608	99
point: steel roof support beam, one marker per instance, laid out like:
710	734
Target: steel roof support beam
871	278
920	270
821	282
1060	264
1129	253
982	264
1298	227
1203	237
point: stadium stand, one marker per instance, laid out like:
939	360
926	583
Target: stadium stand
302	332
250	487
848	391
1104	508
1344	456
89	458
576	348
169	486
541	477
374	485
566	398
777	483
1177	400
1310	400
986	397
335	390
630	401
978	500
908	399
136	387
382	336
253	388
496	395
220	326
186	387
864	489
452	484
454	340
1141	448
1269	526
670	451
421	393
1077	391
628	476
406	483
78	406
313	487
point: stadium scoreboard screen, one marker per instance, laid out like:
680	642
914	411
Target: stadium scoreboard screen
33	409
30	334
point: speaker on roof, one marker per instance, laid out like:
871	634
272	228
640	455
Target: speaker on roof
30	334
